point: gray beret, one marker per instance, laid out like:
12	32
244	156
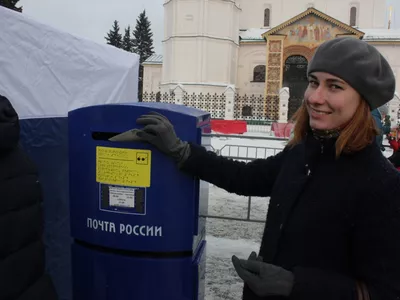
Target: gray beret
360	65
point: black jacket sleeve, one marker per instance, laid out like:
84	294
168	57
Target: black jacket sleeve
255	178
375	248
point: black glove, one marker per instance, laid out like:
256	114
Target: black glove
159	132
262	278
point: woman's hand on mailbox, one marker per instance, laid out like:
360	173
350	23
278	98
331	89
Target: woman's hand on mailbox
159	132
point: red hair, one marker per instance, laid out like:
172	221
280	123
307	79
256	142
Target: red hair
356	135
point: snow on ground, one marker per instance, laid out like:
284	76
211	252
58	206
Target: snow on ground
222	282
227	237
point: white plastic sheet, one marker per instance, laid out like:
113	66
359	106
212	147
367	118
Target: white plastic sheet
46	72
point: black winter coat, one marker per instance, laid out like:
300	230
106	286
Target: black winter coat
395	159
22	253
331	222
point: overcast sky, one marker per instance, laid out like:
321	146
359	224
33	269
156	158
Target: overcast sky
92	19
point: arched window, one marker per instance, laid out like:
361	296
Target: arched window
259	74
353	16
267	17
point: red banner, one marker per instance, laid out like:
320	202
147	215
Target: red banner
229	126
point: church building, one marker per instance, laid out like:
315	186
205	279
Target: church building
247	59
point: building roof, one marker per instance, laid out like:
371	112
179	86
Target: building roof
381	34
253	34
155	59
315	12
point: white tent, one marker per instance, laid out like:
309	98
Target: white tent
45	73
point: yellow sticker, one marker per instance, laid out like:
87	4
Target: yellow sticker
126	167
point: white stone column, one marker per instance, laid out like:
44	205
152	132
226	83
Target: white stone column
179	92
229	102
283	105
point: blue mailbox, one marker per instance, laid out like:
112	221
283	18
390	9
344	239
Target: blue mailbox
136	221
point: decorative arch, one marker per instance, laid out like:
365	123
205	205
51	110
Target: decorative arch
255	57
298	50
295	78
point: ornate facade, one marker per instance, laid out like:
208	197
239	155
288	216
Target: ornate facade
265	66
290	46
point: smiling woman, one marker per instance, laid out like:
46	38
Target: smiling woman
335	102
330	101
331	106
353	134
333	217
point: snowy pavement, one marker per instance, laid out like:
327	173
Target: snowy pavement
227	237
222	282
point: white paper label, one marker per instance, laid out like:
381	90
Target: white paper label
122	197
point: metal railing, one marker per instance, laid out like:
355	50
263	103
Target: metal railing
244	153
241	136
247	153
